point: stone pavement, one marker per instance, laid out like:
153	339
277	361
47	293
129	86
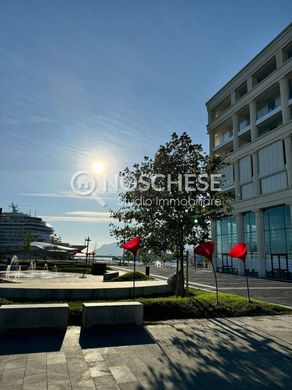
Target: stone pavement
242	353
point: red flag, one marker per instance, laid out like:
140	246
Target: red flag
206	249
132	245
239	251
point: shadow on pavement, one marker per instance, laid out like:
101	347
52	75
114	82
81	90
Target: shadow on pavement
222	355
99	337
31	341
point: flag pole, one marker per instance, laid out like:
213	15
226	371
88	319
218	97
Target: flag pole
134	276
247	286
215	276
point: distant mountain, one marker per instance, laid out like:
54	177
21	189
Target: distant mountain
109	250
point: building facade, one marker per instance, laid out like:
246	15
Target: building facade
250	123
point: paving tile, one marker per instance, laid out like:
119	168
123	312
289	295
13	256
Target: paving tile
39	356
2	366
38	381
56	358
83	384
122	374
16	373
114	359
108	350
106	382
4	358
131	386
13	364
13	384
18	356
80	375
60	385
98	369
57	372
92	355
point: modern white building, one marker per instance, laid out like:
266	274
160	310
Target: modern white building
250	122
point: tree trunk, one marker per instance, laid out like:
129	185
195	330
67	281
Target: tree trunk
181	255
177	279
182	282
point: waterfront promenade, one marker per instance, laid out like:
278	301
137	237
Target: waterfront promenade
239	353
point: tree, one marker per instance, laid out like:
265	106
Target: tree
171	199
28	237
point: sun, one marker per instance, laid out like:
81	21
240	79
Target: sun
98	167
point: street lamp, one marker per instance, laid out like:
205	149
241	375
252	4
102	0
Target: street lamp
87	241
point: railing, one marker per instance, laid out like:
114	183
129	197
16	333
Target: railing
226	137
268	108
244	125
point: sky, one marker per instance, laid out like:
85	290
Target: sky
110	80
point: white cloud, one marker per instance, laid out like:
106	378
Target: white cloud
89	213
68	194
58	218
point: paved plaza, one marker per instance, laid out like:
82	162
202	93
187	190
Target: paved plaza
241	353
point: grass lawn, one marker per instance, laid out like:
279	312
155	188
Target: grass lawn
199	304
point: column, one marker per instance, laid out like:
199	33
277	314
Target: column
279	58
235	123
239	231
255	168
249	83
232	98
253	118
288	152
260	243
284	92
236	181
211	142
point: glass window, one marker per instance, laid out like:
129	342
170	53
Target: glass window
278	241
287	216
276	218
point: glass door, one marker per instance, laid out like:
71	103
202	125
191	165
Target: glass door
279	265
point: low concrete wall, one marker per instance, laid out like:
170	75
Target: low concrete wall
34	316
35	294
113	313
110	275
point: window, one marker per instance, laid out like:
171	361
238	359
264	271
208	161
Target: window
226	235
278	231
241	90
265	71
287	52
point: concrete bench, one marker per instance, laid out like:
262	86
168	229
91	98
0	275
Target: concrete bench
34	316
110	275
112	313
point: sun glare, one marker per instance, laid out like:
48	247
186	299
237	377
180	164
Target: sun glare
98	167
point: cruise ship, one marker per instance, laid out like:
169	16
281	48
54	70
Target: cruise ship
15	224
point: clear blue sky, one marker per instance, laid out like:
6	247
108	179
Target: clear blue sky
110	79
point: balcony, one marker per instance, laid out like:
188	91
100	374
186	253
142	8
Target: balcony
265	71
268	110
223	139
244	126
220	108
287	52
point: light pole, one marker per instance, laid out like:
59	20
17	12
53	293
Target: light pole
87	245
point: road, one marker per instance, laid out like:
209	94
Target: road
279	292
